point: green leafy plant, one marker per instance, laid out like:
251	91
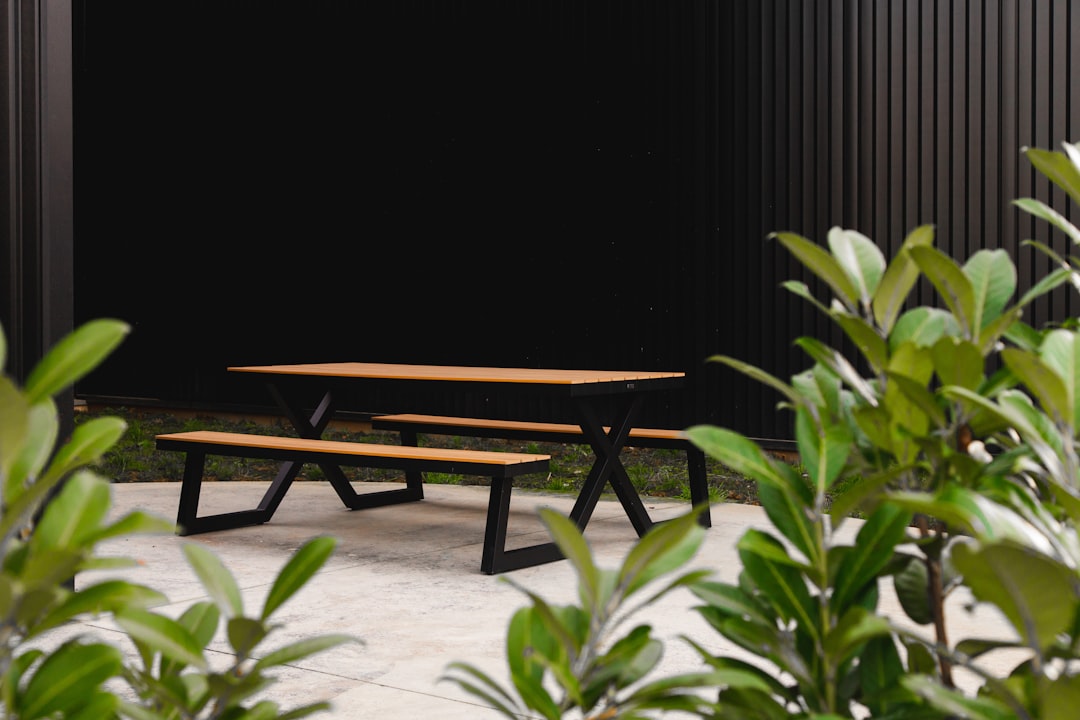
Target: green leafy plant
954	435
942	510
571	658
53	514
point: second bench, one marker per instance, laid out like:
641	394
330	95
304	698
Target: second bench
409	426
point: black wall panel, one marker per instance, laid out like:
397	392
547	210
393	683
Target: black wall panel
878	117
545	183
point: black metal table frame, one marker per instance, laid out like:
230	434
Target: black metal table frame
606	445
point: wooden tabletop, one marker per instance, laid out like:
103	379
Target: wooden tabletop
458	373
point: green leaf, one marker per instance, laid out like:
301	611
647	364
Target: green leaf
978	515
304	711
790	517
871	345
89	442
876	425
107	596
73	357
665	547
571	542
855	627
1012	415
976	647
163	635
244	634
993	331
761	376
302	649
1036	593
767	547
912	588
907	399
27	438
67	677
836	362
958	362
821	263
823	454
492	693
300	568
799	288
873	549
732	601
74	513
216	578
13	678
97	705
954	702
1061	699
993	279
1060	352
920	399
263	710
1043	382
527	641
923	326
783	585
1047	213
1058	167
1046	284
864	493
131	524
861	260
880	669
201	620
20	511
952	285
737	452
900	276
1049	252
629	659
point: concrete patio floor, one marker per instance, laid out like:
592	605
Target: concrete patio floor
405	580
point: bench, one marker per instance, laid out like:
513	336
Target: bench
410	425
294	452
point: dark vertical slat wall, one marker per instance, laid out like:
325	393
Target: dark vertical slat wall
552	182
879	117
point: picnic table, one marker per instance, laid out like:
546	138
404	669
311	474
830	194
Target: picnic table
586	389
593	393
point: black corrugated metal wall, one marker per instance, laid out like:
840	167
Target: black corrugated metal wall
878	117
557	183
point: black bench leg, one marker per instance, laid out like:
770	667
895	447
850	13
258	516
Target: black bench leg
282	481
496	558
699	484
414	479
189	491
187	520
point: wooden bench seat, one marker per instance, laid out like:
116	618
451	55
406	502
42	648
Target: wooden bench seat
409	426
330	455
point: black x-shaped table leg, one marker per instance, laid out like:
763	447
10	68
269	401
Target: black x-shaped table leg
313	428
608	467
